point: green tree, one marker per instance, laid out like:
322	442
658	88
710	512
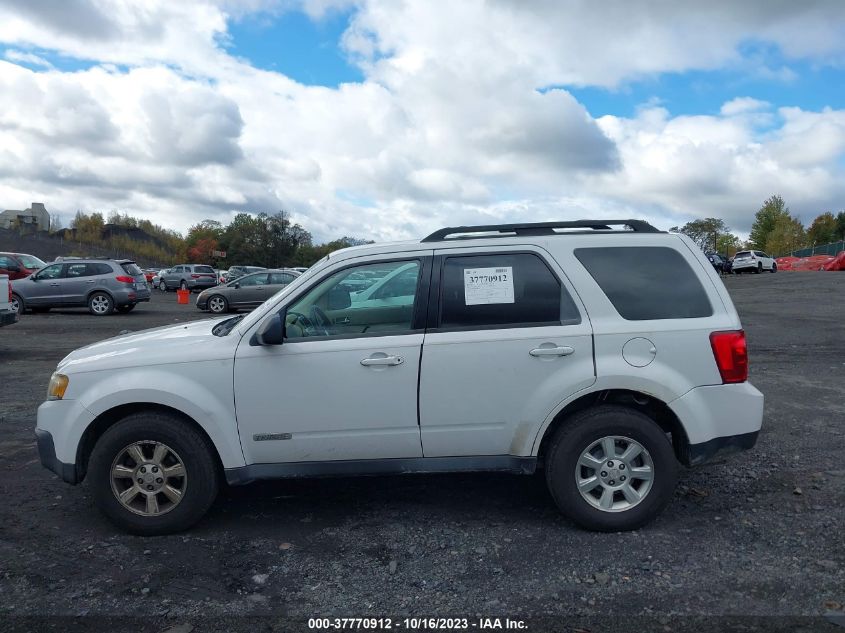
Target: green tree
707	233
840	225
263	240
786	235
823	230
765	219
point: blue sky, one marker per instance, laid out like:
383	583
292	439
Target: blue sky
295	45
459	119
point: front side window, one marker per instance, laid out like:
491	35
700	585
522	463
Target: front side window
51	272
503	290
647	282
338	307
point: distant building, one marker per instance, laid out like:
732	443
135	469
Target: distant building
35	218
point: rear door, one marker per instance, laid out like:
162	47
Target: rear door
506	343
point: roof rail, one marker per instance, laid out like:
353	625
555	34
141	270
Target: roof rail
538	228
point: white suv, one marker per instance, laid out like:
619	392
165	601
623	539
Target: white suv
753	262
605	357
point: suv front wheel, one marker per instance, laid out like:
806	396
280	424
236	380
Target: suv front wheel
611	469
152	473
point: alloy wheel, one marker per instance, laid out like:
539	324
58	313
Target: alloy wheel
148	478
217	304
614	473
100	304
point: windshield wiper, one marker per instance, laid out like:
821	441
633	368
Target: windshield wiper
224	327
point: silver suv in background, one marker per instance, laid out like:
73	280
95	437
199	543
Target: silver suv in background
190	277
101	285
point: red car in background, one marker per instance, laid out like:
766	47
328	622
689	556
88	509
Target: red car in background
19	265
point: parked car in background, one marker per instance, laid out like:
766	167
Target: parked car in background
239	271
299	269
103	285
222	276
8	314
248	291
753	262
158	281
717	261
193	277
149	274
19	265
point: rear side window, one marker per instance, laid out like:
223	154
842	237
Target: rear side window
131	268
503	290
647	282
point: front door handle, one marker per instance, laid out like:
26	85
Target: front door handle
383	360
553	351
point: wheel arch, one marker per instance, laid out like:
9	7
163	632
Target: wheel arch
110	417
645	403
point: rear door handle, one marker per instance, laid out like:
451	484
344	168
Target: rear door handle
383	360
552	351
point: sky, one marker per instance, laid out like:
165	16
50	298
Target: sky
388	119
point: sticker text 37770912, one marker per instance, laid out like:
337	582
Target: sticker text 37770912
488	285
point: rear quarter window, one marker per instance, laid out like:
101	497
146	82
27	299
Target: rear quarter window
647	282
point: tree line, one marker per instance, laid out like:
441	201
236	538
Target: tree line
262	239
775	230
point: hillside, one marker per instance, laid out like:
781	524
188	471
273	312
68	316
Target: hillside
48	247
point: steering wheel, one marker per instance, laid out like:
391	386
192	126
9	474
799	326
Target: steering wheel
319	318
303	323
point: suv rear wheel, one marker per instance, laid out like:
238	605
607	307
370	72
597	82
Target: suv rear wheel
151	473
100	304
611	469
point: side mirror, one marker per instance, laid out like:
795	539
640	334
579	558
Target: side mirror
338	299
272	331
237	285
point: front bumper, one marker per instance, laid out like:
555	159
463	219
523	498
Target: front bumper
47	455
7	317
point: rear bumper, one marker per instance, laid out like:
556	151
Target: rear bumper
718	447
47	455
7	317
718	419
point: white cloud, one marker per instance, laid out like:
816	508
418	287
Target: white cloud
450	127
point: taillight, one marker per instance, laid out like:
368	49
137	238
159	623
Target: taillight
731	355
124	279
195	276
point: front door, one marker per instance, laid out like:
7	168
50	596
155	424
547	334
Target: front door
508	344
46	289
343	385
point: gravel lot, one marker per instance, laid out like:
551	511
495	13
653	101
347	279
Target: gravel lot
758	535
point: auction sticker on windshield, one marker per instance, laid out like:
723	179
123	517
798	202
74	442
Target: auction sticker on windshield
488	285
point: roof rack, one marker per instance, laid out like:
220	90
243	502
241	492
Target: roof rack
538	228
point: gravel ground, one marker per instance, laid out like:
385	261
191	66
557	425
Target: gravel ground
757	535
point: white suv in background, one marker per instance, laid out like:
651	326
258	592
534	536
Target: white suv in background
604	357
753	262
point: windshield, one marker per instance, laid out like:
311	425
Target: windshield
31	262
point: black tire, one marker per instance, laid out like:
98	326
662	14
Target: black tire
202	476
210	304
100	304
21	306
759	268
577	434
774	267
127	308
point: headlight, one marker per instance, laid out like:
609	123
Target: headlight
57	387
